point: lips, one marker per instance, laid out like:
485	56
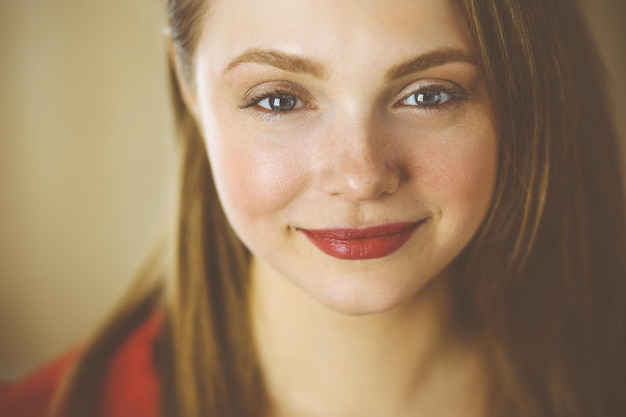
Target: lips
362	243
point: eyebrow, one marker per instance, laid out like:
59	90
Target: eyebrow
301	65
428	60
280	60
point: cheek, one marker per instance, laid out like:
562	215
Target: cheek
468	174
254	181
458	173
472	180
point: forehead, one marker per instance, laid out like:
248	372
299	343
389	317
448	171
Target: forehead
367	32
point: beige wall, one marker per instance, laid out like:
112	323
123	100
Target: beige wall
86	157
86	154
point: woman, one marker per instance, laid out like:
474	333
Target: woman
388	208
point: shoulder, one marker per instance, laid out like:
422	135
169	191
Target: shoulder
130	386
34	395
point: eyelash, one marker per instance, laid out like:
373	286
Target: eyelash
455	94
255	100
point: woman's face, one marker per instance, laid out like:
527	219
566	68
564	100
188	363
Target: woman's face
352	143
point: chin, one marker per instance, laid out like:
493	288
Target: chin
360	300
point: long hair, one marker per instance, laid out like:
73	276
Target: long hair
546	272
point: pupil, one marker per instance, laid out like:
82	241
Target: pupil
283	102
429	98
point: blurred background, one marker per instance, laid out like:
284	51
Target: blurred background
87	159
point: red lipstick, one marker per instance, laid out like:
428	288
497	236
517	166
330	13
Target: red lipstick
363	243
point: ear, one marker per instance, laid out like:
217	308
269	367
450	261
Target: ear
187	91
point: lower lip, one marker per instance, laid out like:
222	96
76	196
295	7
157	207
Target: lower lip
367	243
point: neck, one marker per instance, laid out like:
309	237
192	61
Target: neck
411	360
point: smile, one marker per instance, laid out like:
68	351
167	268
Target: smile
362	243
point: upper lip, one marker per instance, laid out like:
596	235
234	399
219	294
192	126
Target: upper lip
368	232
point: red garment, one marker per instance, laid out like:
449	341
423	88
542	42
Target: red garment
131	385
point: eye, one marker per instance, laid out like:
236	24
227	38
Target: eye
427	98
279	102
276	100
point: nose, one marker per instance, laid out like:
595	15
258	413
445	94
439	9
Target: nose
360	163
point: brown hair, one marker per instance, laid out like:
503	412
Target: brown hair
546	272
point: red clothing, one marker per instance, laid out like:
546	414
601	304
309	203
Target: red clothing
131	385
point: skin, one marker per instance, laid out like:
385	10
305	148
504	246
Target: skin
379	335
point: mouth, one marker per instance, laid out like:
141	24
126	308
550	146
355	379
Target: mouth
362	243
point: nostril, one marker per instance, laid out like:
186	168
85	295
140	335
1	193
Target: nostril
362	180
